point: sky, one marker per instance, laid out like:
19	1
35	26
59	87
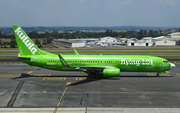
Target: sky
90	13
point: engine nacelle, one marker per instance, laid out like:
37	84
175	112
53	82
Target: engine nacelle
111	72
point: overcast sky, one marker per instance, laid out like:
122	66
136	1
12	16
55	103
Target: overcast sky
90	12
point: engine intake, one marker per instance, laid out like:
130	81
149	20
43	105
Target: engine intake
111	72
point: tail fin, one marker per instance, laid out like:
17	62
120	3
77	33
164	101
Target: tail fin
25	44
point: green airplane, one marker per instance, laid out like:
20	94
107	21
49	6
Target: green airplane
108	65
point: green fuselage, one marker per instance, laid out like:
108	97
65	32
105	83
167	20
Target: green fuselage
109	65
126	63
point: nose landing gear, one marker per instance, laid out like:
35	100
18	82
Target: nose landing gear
157	75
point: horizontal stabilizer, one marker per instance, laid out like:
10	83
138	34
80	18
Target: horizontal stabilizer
27	58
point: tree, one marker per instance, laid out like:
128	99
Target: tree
1	34
13	44
37	41
139	34
44	42
107	32
50	39
145	33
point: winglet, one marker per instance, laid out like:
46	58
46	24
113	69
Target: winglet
76	52
63	61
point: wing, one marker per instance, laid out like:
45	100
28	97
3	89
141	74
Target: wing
87	68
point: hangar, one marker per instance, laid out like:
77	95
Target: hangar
164	41
70	43
175	36
108	39
115	44
147	41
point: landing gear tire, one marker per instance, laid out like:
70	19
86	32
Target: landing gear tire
157	75
92	74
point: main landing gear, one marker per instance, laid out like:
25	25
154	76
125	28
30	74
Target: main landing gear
157	75
95	74
91	74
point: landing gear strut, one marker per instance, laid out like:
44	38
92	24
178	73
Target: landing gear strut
157	75
92	74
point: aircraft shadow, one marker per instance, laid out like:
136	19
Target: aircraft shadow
24	75
88	79
141	76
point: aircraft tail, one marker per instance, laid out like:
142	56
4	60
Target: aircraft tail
25	44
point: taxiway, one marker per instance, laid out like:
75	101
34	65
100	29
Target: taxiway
23	86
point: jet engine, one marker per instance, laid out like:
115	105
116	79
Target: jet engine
111	72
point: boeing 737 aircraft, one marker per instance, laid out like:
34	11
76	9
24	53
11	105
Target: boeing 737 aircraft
109	65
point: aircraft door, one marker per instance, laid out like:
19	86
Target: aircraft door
41	62
155	63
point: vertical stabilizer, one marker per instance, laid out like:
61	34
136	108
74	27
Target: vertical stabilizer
25	45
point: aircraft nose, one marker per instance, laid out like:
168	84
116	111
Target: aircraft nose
172	65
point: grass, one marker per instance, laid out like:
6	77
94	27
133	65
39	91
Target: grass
103	52
173	52
5	57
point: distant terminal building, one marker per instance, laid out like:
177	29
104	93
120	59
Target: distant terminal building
147	41
115	44
175	36
88	41
178	42
164	41
123	40
108	39
70	43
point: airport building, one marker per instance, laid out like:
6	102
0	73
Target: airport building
164	41
70	43
123	40
88	41
139	43
175	36
147	41
115	44
108	39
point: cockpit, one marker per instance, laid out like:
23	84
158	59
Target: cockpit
165	61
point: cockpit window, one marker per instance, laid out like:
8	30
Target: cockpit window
165	61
